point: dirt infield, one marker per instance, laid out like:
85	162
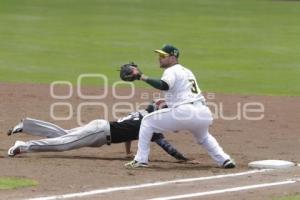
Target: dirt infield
276	136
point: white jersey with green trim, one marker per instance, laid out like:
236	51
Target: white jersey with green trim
183	86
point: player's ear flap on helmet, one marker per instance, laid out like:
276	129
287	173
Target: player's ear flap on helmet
155	105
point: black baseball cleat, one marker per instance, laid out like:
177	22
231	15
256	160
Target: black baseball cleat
228	164
16	129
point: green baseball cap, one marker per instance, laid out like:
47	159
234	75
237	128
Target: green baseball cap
169	50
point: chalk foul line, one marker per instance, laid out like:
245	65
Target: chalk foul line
145	185
235	189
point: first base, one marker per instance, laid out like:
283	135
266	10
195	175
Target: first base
271	164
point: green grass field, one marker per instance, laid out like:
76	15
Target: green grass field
16	182
233	46
297	197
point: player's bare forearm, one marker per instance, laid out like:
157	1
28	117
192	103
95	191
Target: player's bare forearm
128	149
155	82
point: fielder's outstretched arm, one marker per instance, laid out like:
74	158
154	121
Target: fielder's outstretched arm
155	82
131	72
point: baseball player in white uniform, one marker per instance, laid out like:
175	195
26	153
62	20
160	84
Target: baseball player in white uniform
186	110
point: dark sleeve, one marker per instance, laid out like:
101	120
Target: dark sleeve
150	108
165	145
157	83
157	136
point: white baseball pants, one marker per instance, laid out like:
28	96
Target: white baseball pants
194	117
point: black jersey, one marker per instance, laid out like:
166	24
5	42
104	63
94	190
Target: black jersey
126	128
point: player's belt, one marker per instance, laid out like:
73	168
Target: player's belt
108	134
198	102
108	139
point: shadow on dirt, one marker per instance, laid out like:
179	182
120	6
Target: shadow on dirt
83	157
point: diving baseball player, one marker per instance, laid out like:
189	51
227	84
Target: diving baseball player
186	108
94	134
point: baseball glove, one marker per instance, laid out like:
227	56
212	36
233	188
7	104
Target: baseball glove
130	72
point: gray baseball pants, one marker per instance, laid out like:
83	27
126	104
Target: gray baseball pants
93	134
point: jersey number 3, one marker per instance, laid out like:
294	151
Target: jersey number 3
194	88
